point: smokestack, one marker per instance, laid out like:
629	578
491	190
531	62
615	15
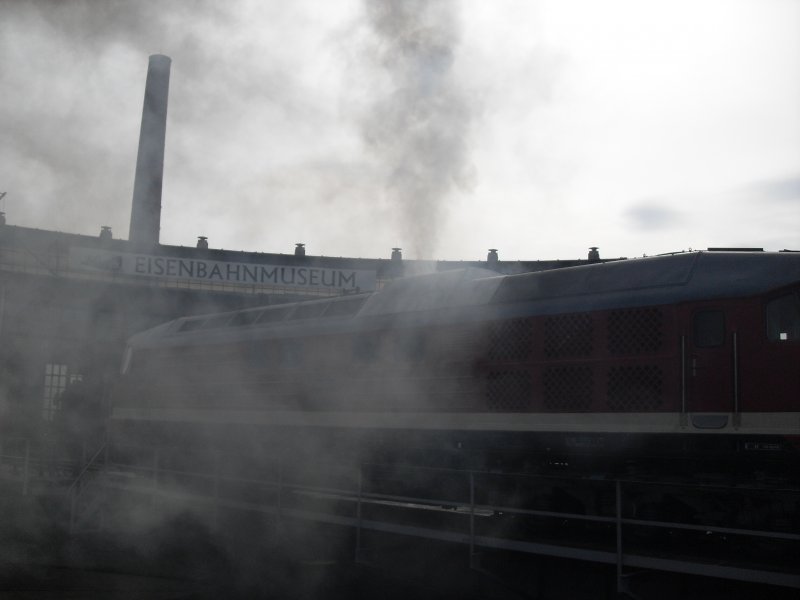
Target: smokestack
146	207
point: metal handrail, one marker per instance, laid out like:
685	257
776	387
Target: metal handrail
85	469
361	495
212	493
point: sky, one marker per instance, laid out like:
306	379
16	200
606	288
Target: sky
443	127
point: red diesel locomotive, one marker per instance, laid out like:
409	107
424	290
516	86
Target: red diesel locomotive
678	359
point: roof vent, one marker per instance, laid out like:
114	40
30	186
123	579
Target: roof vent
299	249
105	233
594	255
202	242
397	255
492	257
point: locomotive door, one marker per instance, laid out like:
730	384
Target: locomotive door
709	361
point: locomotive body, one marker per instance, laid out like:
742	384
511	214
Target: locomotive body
687	357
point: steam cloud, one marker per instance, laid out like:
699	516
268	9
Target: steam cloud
411	113
419	128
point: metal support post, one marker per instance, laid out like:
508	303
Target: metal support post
155	477
26	468
359	549
102	509
684	418
737	415
474	558
103	490
620	584
217	469
279	506
73	501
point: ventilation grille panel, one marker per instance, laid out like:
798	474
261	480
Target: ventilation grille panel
508	391
635	331
568	388
635	388
568	335
510	340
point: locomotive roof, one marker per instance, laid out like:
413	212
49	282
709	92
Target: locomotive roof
636	282
657	280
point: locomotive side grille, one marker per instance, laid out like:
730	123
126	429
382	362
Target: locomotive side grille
568	335
510	340
568	388
635	331
508	390
635	388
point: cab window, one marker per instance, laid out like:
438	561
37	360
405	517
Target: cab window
783	318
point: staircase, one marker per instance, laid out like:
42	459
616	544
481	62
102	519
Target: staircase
86	494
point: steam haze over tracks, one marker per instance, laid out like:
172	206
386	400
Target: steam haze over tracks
443	127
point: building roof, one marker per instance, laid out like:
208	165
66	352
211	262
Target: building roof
452	295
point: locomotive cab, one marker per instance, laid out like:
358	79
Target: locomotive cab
778	359
782	314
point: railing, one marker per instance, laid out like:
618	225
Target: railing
16	466
474	508
83	480
480	509
34	466
35	469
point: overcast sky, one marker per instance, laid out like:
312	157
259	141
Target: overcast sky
444	127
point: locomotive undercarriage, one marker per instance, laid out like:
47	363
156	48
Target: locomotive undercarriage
664	480
546	494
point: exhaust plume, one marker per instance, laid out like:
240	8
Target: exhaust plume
418	129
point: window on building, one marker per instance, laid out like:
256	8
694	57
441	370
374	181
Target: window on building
346	307
273	315
309	311
192	324
241	319
709	329
783	318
